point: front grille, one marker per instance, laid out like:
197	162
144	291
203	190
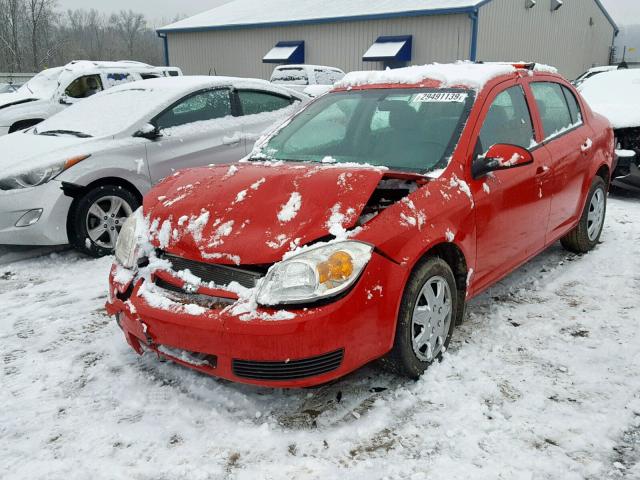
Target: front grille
220	275
181	296
292	370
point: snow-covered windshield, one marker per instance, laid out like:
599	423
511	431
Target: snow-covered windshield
403	129
290	76
44	84
107	113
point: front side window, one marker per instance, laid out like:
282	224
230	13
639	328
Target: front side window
83	87
403	129
258	102
203	106
508	121
552	105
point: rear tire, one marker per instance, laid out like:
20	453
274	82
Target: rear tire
430	307
586	235
96	218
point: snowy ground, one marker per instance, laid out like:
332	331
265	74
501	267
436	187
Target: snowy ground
541	382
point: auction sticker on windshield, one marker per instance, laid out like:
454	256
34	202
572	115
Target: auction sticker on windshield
440	97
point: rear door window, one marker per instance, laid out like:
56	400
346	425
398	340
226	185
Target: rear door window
553	107
508	121
574	106
203	106
253	102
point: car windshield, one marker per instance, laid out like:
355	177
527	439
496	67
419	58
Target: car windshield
107	113
43	84
290	76
403	129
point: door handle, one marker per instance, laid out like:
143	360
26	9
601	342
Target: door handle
543	171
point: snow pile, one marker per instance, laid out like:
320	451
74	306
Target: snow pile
290	209
468	74
616	95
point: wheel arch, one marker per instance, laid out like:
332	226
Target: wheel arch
77	192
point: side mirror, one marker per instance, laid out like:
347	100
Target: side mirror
501	156
148	131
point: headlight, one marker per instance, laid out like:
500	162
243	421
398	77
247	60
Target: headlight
314	274
39	176
127	243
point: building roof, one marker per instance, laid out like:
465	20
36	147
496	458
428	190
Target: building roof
244	13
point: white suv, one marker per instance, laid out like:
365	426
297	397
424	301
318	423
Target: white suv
53	89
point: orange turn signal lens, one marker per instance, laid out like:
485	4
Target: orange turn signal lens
75	160
337	268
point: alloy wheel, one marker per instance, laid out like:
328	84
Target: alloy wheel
105	219
431	319
595	217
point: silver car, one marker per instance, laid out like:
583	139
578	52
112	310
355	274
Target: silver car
77	176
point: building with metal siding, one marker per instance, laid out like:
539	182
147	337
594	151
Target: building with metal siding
576	36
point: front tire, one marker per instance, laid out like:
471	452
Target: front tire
96	218
586	235
428	312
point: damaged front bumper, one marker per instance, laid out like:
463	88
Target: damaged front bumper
626	175
312	346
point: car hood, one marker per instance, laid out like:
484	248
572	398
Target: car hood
24	151
253	213
16	98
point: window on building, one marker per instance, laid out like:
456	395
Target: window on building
83	87
200	107
258	102
508	121
553	107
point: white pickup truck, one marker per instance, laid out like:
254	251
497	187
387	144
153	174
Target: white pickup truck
54	89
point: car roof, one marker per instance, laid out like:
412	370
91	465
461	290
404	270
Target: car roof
195	82
459	74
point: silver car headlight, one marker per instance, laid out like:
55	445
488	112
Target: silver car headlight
39	176
127	243
314	274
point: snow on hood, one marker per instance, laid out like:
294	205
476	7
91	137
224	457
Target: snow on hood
253	213
13	98
24	151
469	74
616	95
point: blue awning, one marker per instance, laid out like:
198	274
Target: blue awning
286	52
397	48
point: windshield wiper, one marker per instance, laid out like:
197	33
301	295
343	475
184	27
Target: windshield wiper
55	133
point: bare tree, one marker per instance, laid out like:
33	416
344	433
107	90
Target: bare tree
130	26
11	20
39	17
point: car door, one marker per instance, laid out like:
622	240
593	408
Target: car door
511	206
253	104
567	139
193	132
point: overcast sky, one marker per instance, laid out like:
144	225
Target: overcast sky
623	11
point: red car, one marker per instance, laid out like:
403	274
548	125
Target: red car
359	229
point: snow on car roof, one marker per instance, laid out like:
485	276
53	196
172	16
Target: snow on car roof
461	73
472	75
244	12
616	95
186	82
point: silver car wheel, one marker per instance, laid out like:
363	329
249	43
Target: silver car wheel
431	319
105	219
595	217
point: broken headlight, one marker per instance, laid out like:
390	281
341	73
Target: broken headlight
314	274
